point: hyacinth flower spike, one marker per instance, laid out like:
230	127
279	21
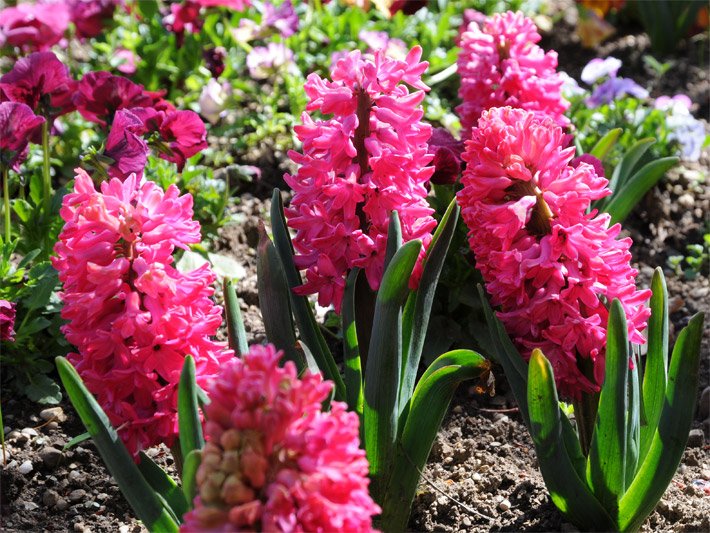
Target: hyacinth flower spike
567	298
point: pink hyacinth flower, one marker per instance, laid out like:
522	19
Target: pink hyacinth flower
500	64
357	167
274	461
132	316
551	267
42	82
18	126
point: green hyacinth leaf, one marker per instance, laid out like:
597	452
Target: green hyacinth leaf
308	328
568	490
427	408
606	464
415	320
655	374
190	425
666	450
163	484
144	501
383	370
235	325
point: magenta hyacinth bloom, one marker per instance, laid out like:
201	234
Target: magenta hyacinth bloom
18	126
132	316
500	64
90	16
547	263
41	81
100	94
369	159
125	146
33	26
7	320
274	460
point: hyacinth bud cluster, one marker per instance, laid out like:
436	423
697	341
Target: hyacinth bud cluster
500	64
552	267
274	461
357	167
132	316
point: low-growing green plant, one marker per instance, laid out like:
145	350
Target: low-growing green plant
667	21
644	414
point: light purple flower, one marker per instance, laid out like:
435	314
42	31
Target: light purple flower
265	61
380	40
598	68
282	18
677	103
613	89
128	61
685	129
213	100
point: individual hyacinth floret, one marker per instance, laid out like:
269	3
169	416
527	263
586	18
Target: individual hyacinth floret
500	64
274	461
369	159
131	314
552	267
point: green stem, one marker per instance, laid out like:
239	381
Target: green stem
47	178
6	202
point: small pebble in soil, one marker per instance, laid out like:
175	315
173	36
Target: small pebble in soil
62	504
53	413
504	505
77	495
50	498
30	432
705	474
25	468
476	477
696	438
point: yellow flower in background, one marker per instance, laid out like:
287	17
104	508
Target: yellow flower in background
591	28
602	7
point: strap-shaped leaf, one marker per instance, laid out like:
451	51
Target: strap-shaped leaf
353	367
655	373
416	323
606	143
623	170
383	370
189	472
190	425
235	325
307	326
508	357
670	438
606	464
142	498
394	237
274	300
567	489
623	201
427	409
633	422
163	484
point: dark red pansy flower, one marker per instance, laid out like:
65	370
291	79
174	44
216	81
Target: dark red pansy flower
184	16
125	145
101	94
591	160
7	320
408	7
89	16
33	26
447	157
185	134
18	125
214	60
42	82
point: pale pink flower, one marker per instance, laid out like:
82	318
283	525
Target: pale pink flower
552	267
500	64
131	314
357	167
274	461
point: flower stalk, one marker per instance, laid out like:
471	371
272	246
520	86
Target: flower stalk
6	202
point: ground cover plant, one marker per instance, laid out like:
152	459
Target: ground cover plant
256	251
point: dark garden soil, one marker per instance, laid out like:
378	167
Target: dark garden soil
482	474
